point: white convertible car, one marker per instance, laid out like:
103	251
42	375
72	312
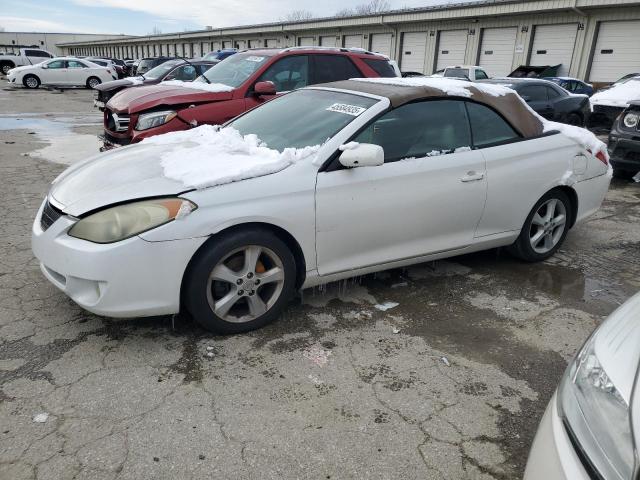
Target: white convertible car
318	185
61	71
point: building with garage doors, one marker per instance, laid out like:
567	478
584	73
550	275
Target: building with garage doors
594	40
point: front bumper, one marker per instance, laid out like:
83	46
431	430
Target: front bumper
552	454
112	139
131	278
625	153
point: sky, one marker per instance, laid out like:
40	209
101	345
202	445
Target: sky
140	17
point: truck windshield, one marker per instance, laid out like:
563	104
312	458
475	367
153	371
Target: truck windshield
233	71
457	73
311	117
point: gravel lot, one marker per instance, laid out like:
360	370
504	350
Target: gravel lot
449	384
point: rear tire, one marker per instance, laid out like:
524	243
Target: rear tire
93	82
6	66
240	281
575	119
31	81
545	228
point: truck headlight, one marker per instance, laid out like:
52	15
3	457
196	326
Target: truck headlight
154	119
125	221
630	120
597	415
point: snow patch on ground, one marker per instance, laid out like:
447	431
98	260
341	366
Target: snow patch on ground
619	95
207	87
208	155
451	86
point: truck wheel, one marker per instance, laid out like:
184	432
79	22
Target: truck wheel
93	82
31	81
6	66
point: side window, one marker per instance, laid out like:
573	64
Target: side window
481	75
186	73
534	93
381	67
288	73
31	53
56	64
419	129
487	126
552	93
331	68
75	64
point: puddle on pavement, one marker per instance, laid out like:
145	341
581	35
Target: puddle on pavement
64	144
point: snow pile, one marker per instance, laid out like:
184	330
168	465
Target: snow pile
451	86
204	86
618	95
208	155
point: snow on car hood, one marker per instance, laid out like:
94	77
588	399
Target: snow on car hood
133	100
203	86
190	158
169	164
618	95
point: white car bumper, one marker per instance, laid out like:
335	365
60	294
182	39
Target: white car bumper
131	278
552	455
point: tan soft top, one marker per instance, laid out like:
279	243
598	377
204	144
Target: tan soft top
404	90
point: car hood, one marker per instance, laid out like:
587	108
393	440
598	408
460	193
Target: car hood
117	176
133	100
23	67
617	346
125	82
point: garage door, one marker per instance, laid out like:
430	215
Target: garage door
381	43
328	41
617	52
305	41
272	42
452	46
414	50
241	44
353	41
553	45
496	53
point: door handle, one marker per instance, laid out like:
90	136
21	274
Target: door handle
472	177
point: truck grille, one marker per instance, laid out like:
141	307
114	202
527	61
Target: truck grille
49	215
117	122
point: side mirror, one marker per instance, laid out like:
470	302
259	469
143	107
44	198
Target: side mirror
264	88
361	155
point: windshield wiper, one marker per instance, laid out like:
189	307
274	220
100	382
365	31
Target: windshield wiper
189	63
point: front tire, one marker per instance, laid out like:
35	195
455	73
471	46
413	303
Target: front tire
240	281
93	82
31	81
545	228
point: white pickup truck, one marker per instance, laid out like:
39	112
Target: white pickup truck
27	56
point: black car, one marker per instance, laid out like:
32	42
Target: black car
170	70
624	141
549	100
147	64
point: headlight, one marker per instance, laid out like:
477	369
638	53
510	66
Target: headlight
124	221
154	119
630	120
597	415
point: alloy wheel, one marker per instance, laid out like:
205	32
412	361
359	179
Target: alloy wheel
31	82
5	69
93	82
547	225
245	284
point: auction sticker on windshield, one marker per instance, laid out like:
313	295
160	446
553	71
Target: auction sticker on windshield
353	110
255	59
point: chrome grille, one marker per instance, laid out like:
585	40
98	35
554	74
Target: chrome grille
117	122
49	215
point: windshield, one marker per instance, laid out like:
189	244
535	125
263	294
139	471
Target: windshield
234	70
145	65
457	73
303	118
162	69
